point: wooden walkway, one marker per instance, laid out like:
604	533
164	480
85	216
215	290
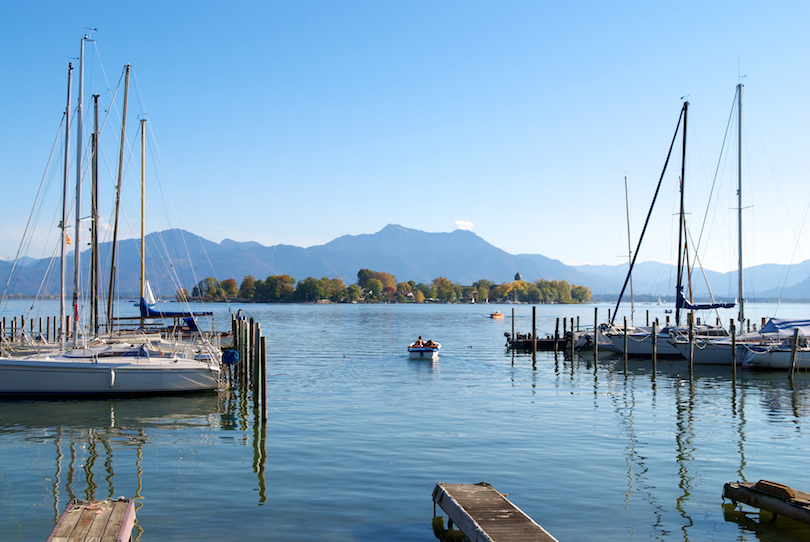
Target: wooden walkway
775	498
486	515
97	521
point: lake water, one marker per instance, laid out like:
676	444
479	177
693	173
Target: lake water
358	436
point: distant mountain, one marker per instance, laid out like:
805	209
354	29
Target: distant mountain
177	258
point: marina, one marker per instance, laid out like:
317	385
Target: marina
646	452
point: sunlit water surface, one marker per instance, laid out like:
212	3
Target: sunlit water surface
358	435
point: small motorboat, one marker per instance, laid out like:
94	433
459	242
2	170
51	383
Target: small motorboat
496	315
424	350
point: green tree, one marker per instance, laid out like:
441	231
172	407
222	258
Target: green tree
333	289
309	289
483	293
581	294
353	292
444	289
246	288
375	286
362	277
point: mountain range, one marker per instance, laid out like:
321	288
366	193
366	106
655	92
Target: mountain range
177	258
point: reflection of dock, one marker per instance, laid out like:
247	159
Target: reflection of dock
775	498
484	514
105	521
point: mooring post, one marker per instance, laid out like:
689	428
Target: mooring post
793	348
513	328
690	316
733	350
263	379
648	317
595	332
256	375
251	349
556	335
655	345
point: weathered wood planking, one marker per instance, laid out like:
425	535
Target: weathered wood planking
485	515
770	496
95	521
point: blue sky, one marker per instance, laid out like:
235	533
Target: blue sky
297	122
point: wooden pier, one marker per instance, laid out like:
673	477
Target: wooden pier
776	498
486	515
99	521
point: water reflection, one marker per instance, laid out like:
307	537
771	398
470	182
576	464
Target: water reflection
93	441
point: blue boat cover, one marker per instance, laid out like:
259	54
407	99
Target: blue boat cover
785	327
149	312
682	303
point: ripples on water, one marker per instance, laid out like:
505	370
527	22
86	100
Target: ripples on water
358	435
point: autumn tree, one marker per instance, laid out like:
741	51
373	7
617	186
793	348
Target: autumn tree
229	288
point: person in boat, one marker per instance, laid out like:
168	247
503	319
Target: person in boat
429	343
418	341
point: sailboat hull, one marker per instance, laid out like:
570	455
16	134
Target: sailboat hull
66	376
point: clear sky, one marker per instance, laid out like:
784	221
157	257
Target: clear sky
296	122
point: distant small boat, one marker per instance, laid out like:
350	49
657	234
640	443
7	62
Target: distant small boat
496	315
424	350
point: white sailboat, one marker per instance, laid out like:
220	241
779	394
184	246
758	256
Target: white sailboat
640	338
100	367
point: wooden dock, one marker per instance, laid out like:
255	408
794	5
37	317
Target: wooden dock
486	515
98	521
776	498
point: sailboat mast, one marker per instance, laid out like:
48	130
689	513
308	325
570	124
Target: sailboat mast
143	205
739	205
629	252
94	263
63	224
77	245
681	225
117	205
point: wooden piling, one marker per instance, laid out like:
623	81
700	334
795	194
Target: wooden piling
556	336
655	345
733	350
793	348
263	376
595	332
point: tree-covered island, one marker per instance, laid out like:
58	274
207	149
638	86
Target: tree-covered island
380	287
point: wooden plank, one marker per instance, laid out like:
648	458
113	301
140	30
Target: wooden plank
95	521
796	508
486	515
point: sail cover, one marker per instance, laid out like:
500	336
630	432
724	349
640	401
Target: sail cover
682	303
784	327
149	312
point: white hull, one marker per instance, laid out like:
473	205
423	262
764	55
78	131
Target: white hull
60	375
776	358
641	344
432	354
710	353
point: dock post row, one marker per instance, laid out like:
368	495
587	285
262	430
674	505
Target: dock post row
251	365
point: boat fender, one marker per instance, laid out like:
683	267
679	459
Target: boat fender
112	377
230	357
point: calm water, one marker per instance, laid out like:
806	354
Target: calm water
358	435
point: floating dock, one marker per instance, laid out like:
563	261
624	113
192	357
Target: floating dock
776	498
98	521
486	515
